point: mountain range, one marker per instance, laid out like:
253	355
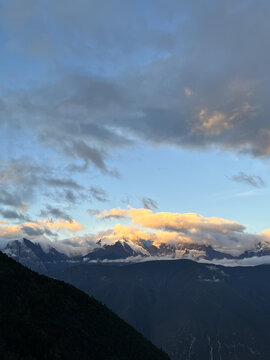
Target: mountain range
43	259
193	311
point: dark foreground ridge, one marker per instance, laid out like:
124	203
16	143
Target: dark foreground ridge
193	311
42	318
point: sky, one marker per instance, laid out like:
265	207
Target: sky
115	108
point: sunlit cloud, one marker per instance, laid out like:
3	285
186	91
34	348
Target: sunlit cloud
137	235
175	221
39	228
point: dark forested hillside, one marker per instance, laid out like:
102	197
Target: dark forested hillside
42	318
194	311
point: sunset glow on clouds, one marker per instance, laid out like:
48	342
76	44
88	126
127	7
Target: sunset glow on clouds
175	228
157	228
39	228
175	221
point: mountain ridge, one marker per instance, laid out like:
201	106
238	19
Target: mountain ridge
194	311
33	255
43	318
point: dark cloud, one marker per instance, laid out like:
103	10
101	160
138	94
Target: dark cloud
10	199
149	203
74	118
252	180
98	194
30	231
100	28
11	214
50	211
88	154
21	180
70	196
62	183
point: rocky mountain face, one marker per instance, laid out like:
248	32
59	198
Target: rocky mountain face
261	249
34	256
193	311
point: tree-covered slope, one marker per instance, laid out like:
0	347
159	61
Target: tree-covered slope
42	318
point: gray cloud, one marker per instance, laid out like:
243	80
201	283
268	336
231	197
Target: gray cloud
88	153
74	116
30	231
10	199
207	86
55	213
98	194
186	96
70	196
94	212
252	180
11	214
62	183
149	203
21	180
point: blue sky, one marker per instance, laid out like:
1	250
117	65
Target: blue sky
153	104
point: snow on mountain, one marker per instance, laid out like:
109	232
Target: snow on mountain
33	255
45	257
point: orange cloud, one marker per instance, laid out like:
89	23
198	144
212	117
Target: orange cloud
136	235
175	221
10	231
72	226
39	227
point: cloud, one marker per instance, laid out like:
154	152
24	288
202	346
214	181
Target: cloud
137	235
252	180
23	179
231	243
234	244
252	261
70	196
7	198
39	228
98	194
215	123
72	226
175	221
77	245
62	183
95	212
36	231
87	153
55	212
149	203
167	87
11	214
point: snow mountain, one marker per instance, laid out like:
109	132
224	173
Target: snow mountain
33	256
42	260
